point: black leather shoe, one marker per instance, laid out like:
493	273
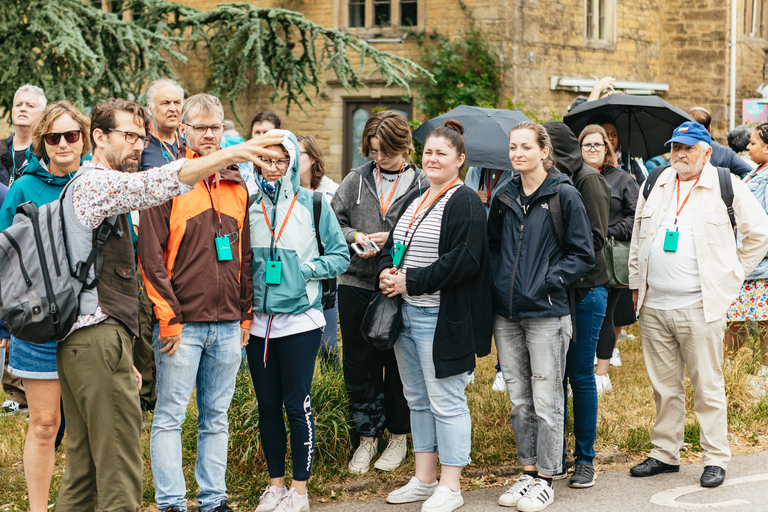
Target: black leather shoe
712	476
651	466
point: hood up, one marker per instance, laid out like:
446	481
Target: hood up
292	175
567	152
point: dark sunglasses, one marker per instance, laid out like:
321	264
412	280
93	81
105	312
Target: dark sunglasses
53	139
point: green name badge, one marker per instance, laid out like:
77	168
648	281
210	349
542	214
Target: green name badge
223	250
274	272
670	241
398	252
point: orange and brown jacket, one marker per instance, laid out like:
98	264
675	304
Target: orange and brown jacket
183	276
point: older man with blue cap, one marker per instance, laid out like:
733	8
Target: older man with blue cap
685	269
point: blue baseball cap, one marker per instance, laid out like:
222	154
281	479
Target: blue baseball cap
689	133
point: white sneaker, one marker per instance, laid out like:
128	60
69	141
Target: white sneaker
615	357
293	502
11	407
361	460
415	490
470	378
270	498
444	500
517	491
498	383
603	383
538	497
394	454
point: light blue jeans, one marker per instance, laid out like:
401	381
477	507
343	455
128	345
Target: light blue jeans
208	357
440	420
532	356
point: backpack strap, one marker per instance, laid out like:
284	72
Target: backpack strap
96	257
556	216
726	192
317	208
650	181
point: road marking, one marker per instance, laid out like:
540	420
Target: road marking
668	498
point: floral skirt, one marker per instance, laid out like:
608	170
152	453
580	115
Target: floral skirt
752	302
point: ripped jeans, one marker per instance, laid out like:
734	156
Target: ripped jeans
532	357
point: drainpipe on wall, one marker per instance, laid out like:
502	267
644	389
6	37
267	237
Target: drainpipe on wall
732	117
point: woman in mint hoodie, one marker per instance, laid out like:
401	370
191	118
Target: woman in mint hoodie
60	139
288	316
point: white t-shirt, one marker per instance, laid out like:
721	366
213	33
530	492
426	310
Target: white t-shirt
673	277
286	325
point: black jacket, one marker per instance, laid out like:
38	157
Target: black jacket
624	191
463	276
531	271
723	156
595	192
6	161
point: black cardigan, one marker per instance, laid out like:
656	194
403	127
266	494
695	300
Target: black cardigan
463	276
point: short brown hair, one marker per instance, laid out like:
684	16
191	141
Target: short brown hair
393	133
265	116
610	155
103	115
313	150
51	113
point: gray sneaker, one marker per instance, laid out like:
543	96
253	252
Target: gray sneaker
583	475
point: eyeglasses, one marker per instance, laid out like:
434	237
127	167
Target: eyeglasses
593	147
131	137
53	139
280	165
201	129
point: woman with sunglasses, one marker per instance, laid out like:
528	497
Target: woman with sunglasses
59	143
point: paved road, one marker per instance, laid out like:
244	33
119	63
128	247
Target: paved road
745	490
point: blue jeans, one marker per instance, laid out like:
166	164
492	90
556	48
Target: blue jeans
579	370
532	356
208	358
440	420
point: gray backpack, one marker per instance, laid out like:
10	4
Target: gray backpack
38	292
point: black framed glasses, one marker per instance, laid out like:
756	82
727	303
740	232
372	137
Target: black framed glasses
201	129
53	139
593	147
131	137
280	165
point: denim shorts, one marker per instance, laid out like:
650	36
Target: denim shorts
33	360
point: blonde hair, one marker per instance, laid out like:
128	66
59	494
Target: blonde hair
201	104
610	155
51	113
542	140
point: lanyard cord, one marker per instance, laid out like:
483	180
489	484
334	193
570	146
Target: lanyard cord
384	205
677	202
285	220
418	208
218	199
760	168
488	187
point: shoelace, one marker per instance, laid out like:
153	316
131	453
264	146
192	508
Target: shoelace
538	487
270	491
395	444
361	455
521	483
583	470
711	470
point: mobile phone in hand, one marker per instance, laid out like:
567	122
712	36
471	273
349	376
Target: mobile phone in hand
360	249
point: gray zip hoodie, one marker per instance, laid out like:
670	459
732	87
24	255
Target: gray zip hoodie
358	209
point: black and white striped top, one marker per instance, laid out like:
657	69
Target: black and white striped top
423	247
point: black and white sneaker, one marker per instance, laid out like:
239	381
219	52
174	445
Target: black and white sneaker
583	475
538	497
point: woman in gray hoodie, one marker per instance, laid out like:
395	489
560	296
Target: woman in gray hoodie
367	204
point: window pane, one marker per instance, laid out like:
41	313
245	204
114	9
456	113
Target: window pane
359	118
96	4
356	13
382	13
115	6
589	21
601	20
409	13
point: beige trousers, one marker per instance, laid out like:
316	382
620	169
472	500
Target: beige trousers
673	340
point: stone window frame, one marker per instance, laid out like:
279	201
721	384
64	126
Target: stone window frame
594	10
754	22
341	18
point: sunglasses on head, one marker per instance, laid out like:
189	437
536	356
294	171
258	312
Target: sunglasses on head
53	139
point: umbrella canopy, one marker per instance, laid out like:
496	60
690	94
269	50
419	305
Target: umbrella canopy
644	123
486	133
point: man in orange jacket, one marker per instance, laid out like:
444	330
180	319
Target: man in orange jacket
195	256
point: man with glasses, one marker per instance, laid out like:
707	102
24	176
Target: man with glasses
98	384
195	256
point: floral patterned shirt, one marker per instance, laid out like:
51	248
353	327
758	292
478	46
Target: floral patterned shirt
105	193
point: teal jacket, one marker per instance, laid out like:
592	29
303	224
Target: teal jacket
36	184
303	268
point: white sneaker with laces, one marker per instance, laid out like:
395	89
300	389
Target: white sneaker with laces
603	383
293	502
415	490
517	491
361	460
270	498
444	500
538	497
615	357
499	384
394	454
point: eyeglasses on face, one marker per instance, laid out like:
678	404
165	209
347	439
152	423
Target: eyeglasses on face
592	147
131	137
280	165
53	139
201	129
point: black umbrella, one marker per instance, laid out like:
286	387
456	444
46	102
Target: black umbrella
644	123
486	133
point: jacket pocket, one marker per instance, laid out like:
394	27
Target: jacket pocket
124	279
718	230
646	223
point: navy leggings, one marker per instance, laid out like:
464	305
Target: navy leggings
287	379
